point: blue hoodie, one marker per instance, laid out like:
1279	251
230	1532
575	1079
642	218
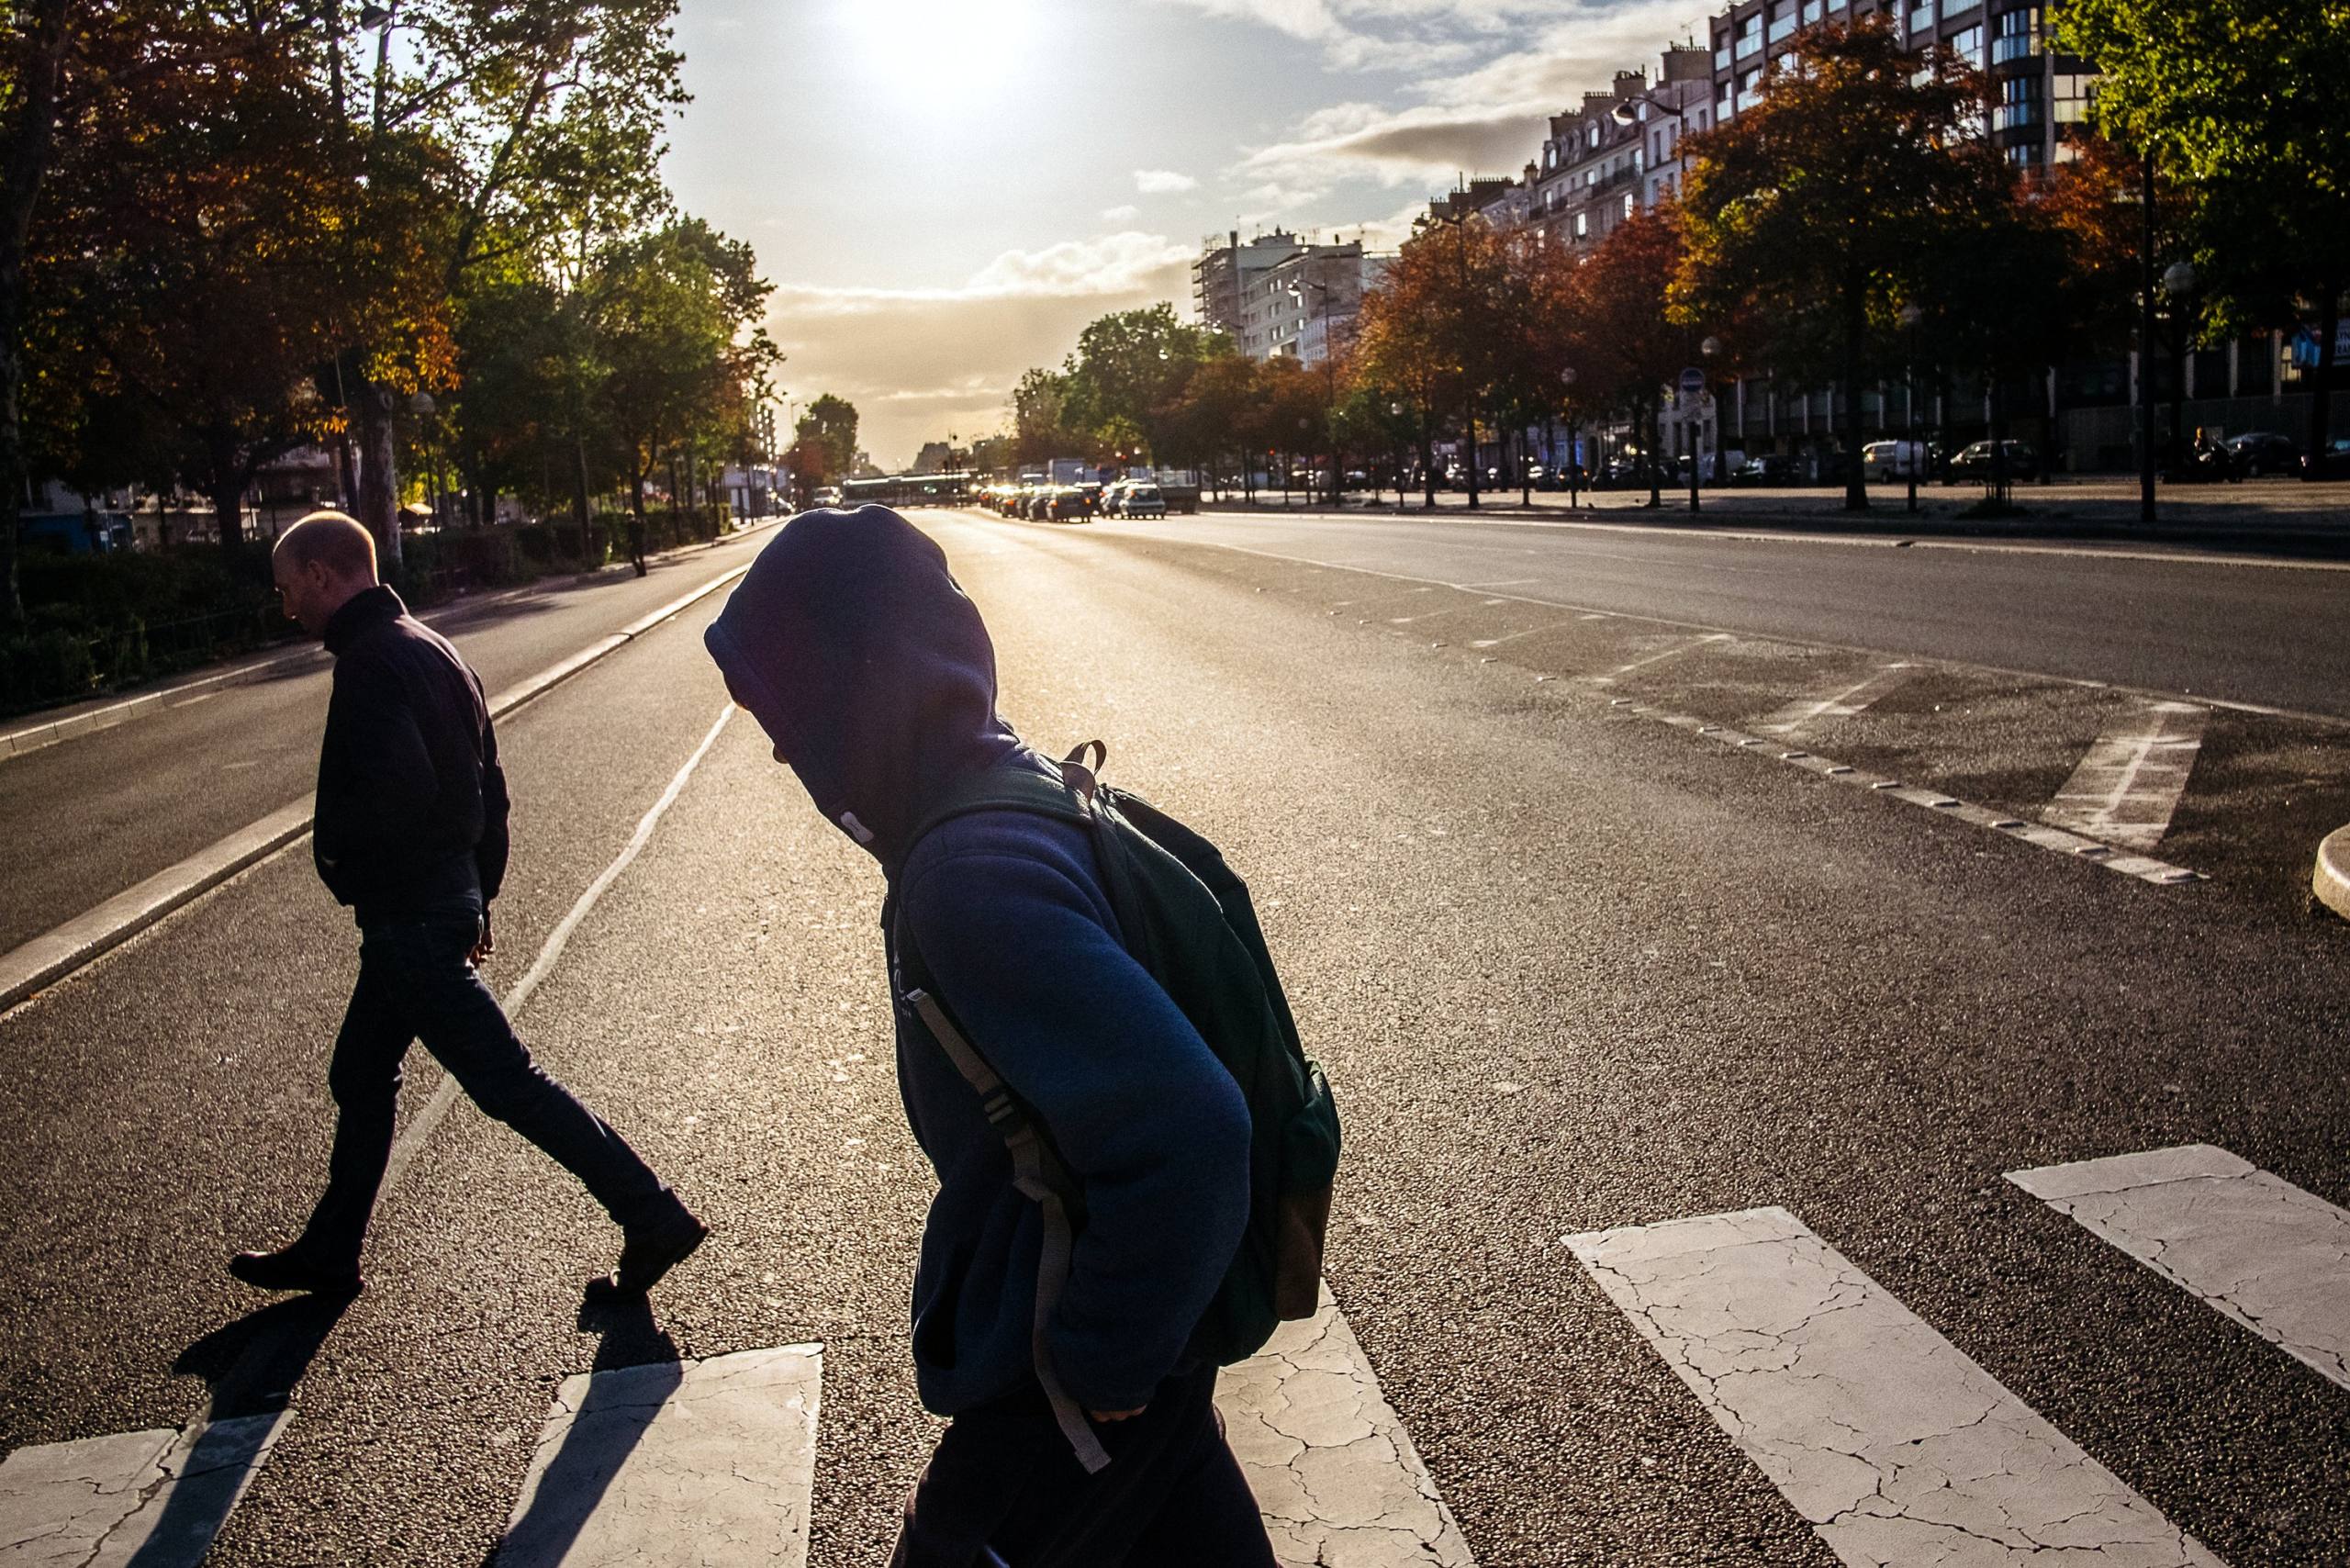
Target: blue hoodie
855	649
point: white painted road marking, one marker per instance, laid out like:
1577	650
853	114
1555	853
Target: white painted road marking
2257	1248
156	1497
1673	653
709	1462
1801	715
1895	1447
1333	1469
2131	782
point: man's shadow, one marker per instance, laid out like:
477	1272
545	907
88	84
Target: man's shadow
637	1368
251	1366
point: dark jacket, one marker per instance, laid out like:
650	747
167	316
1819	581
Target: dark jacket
411	810
858	653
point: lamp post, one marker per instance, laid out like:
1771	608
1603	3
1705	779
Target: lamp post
1574	454
2146	339
1395	414
2179	282
1910	317
1712	350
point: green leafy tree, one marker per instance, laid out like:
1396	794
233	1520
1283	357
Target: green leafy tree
830	426
1812	216
1127	373
2247	103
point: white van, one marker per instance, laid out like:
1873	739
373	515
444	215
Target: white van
1883	461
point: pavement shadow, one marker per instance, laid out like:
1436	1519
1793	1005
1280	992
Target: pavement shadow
605	1430
253	1366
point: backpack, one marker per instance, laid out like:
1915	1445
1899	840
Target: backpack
1186	918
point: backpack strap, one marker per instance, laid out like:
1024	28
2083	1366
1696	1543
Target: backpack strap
1029	1175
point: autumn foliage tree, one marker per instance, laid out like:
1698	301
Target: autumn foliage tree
1626	340
1813	216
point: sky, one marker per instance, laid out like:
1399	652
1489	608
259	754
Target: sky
944	192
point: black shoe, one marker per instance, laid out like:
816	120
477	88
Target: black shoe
290	1270
651	1251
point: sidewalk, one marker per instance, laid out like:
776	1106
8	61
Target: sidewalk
2273	516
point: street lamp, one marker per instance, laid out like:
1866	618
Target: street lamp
1574	443
2178	281
1910	317
1395	415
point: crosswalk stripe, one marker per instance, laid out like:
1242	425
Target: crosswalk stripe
153	1498
2130	783
1891	1443
2257	1248
1806	712
707	1462
1332	1468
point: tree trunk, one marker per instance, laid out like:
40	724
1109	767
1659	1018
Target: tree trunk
225	491
1525	471
379	497
29	141
1856	489
2002	481
580	513
2329	327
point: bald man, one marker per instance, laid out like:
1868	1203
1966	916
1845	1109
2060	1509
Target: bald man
410	833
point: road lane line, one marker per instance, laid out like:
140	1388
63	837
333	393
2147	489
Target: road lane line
709	1461
2128	786
1891	1443
419	1132
35	965
1331	1465
1673	653
1800	715
132	1499
2256	1249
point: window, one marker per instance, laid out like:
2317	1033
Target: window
1591	136
2073	100
1750	35
1921	20
2016	36
2019	104
1783	18
1748	85
1968	46
1813	10
1631	205
1583	225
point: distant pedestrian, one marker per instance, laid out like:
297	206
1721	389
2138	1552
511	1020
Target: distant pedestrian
1083	1269
636	542
410	833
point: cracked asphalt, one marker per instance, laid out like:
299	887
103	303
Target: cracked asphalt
1569	970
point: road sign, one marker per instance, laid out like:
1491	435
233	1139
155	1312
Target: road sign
1693	381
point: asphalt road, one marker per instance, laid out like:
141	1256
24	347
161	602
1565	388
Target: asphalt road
2264	633
93	814
1571	968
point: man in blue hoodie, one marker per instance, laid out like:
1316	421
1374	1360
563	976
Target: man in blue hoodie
855	649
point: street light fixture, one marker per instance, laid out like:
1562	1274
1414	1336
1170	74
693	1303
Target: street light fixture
1574	457
2179	282
1712	350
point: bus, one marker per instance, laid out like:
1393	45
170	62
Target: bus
908	490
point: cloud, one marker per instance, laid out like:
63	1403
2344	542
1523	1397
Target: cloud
1161	182
920	362
1120	214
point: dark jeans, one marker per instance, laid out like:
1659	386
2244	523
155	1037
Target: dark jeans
416	982
1003	1481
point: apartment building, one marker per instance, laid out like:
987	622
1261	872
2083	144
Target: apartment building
1279	294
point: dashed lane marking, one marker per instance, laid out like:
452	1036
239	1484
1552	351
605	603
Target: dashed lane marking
131	1500
1806	712
1885	1437
1673	653
1332	1468
2256	1247
2054	839
2129	784
709	1461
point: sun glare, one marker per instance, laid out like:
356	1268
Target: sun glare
935	49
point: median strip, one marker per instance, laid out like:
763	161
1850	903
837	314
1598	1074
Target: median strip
59	952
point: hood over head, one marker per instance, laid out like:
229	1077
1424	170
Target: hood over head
854	647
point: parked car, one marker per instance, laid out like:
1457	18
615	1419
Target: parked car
1885	461
1974	463
1765	469
2334	463
1142	500
828	496
2265	452
1068	503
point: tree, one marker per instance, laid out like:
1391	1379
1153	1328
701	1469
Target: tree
1812	215
1122	384
1041	428
2248	102
1411	337
830	425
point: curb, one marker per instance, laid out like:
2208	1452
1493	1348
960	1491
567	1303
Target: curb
2330	882
35	738
58	952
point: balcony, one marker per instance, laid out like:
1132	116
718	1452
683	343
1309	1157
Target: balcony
2014	46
